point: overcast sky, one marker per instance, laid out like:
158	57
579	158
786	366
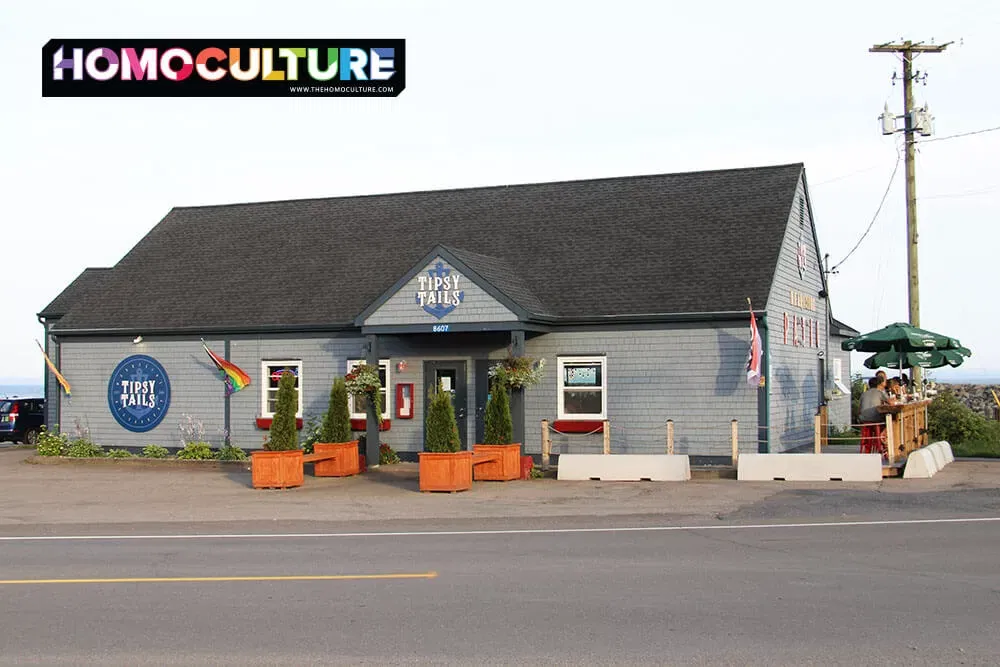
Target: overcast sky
520	92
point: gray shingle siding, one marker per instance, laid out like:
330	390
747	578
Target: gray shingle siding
840	404
694	376
476	305
194	387
794	383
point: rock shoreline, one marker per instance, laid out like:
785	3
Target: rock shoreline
977	396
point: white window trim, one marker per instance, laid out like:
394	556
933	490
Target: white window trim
560	387
838	370
264	384
387	407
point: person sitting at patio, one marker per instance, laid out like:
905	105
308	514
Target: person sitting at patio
894	388
872	421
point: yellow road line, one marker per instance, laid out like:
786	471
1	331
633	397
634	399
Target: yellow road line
159	580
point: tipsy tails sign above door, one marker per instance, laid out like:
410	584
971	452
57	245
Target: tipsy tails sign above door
440	290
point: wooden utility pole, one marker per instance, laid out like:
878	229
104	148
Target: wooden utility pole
908	49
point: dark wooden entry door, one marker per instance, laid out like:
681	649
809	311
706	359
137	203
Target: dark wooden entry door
452	375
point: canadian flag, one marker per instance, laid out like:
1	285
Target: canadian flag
754	354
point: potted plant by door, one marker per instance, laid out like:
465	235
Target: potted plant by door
505	376
335	437
443	467
280	465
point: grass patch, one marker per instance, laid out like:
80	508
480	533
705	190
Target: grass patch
989	449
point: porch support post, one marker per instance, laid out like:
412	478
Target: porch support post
517	395
372	435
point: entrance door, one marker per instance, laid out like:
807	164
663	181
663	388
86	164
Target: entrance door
452	376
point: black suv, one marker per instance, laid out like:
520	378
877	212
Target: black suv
21	419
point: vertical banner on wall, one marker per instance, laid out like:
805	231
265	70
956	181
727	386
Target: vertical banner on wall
755	354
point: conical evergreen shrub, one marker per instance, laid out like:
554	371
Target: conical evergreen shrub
283	434
499	424
442	428
337	421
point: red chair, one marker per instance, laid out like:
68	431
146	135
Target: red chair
873	439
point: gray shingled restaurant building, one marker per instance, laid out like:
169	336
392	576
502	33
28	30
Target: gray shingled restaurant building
633	290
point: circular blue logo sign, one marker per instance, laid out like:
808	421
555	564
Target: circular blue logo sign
139	393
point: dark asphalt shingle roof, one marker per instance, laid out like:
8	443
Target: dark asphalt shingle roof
671	243
500	274
838	328
83	287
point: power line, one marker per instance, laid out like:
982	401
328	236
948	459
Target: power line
955	195
871	224
963	134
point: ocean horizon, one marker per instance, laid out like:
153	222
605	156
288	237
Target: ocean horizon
21	391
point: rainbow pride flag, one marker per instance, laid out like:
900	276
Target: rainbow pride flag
234	376
52	367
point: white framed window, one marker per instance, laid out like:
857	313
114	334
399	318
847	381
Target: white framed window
583	387
271	372
838	370
359	405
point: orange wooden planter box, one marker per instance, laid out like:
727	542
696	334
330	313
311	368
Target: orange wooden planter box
504	470
276	470
446	471
346	464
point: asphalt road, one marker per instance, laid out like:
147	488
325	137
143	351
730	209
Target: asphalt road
887	593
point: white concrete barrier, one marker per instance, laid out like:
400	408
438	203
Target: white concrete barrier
945	447
809	467
920	464
937	455
625	467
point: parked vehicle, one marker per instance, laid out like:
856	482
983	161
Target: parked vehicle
21	419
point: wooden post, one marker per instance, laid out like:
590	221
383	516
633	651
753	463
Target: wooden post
735	425
546	443
818	434
607	436
890	440
670	436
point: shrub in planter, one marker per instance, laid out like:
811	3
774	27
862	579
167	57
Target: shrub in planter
335	437
442	428
119	454
51	444
499	424
283	436
443	467
196	451
280	465
155	452
337	421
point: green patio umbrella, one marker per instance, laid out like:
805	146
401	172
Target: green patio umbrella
899	338
926	359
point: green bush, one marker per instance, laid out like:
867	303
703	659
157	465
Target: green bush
337	420
196	451
387	455
312	428
51	444
441	427
81	448
950	419
155	452
283	435
847	436
499	425
230	452
119	454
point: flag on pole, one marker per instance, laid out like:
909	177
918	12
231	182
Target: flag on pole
754	355
234	376
52	367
